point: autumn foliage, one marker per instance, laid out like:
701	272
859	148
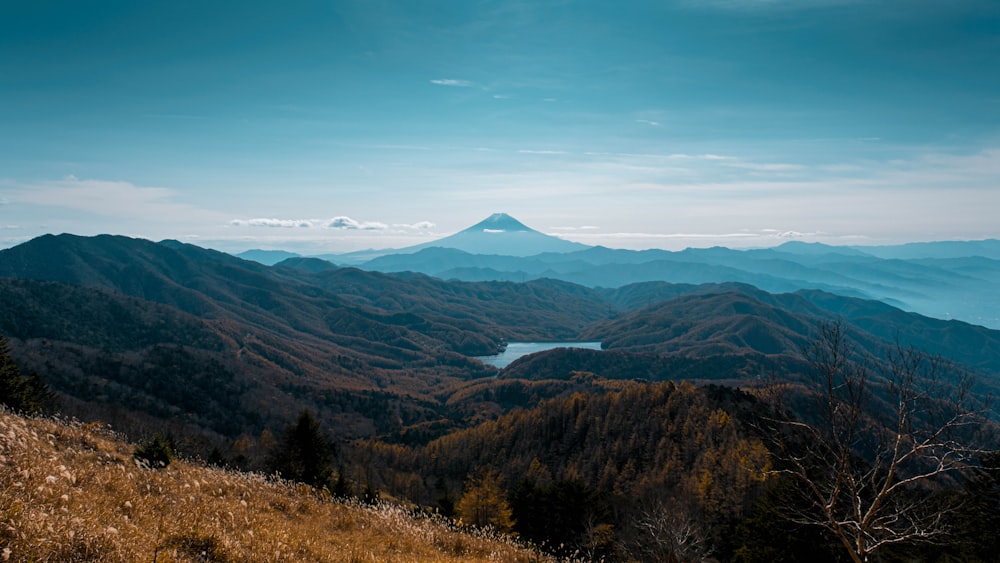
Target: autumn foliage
72	492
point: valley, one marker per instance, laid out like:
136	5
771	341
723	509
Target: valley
659	401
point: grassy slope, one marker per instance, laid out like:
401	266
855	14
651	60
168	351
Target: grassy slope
73	493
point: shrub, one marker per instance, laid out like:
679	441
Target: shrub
156	453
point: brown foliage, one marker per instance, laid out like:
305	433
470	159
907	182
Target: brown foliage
72	493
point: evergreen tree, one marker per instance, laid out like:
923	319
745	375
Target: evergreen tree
156	453
303	454
28	395
342	489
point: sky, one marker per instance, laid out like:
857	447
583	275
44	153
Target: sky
333	126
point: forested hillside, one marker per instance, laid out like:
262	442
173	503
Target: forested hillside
621	453
677	441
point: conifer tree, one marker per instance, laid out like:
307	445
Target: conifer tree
303	454
28	395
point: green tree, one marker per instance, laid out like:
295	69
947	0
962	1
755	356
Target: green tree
342	489
156	453
303	454
485	503
28	395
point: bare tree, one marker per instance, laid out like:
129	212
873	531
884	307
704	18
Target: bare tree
671	532
869	437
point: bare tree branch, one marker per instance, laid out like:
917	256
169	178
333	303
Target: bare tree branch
880	430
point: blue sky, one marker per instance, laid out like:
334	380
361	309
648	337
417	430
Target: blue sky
336	126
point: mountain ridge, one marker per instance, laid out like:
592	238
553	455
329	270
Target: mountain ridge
92	311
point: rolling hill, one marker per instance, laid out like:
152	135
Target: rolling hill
135	331
144	334
223	352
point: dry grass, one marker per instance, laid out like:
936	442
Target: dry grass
71	492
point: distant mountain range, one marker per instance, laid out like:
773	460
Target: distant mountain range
135	332
946	280
222	353
498	234
161	328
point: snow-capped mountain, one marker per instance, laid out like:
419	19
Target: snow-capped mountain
503	235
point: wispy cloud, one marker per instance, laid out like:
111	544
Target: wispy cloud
393	147
339	223
110	199
454	82
766	166
418	226
274	223
649	122
348	224
681	156
540	151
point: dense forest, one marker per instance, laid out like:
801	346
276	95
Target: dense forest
719	422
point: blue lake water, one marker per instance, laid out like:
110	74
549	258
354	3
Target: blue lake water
517	349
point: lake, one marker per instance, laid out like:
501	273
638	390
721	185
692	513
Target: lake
517	349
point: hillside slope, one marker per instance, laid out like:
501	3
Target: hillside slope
144	334
74	493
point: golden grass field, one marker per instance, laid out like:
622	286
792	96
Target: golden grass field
72	492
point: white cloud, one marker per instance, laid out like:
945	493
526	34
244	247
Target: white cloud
531	151
418	226
681	156
341	222
391	147
281	223
455	82
765	166
648	122
348	224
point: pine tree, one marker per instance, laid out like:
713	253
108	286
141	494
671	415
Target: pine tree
28	395
303	454
341	487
